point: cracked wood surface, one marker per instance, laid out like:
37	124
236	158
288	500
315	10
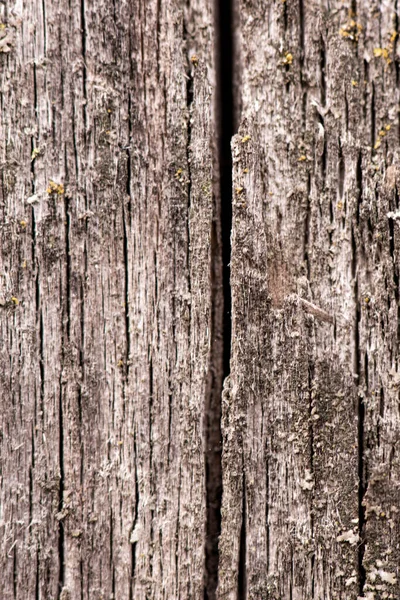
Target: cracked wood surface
310	414
112	346
107	205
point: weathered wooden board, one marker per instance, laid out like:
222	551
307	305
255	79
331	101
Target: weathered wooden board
310	411
107	210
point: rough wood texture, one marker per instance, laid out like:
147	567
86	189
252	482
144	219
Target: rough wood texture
111	301
310	421
107	206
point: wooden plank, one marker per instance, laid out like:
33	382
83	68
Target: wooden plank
115	308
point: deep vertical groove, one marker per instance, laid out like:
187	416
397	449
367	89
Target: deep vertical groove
15	572
61	575
151	470
220	322
189	104
361	425
133	539
126	291
311	371
307	225
84	73
112	566
242	579
225	99
37	583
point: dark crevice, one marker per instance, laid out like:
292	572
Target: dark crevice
37	582
170	405
133	538
220	320
82	373
84	71
226	125
341	172
307	224
322	64
396	279
15	572
126	291
267	514
311	372
111	539
359	179
242	575
68	265
151	467
61	536
189	105
362	484
373	116
324	160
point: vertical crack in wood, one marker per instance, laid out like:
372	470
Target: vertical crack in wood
84	72
242	575
311	371
151	466
111	541
189	106
61	536
220	325
133	534
361	423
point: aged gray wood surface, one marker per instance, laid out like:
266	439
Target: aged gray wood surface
311	410
111	302
107	208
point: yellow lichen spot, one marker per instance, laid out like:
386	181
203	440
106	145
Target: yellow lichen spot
339	205
109	110
120	442
377	145
178	173
76	533
23	224
245	139
23	265
387	127
55	188
351	30
354	83
194	60
393	37
245	170
382	133
383	53
367	299
35	153
14	300
302	158
239	190
288	58
120	363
